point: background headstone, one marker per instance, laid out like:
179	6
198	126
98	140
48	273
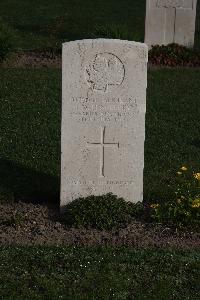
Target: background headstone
170	21
103	118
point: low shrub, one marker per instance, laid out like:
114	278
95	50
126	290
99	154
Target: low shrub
7	37
174	55
101	212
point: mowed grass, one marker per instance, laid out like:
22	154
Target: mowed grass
98	273
172	129
30	132
48	23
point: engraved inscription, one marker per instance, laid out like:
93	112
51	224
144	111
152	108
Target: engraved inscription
107	110
105	72
101	146
185	4
99	182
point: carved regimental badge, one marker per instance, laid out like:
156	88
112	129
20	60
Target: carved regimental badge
105	72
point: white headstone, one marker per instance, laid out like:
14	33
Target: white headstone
103	118
170	21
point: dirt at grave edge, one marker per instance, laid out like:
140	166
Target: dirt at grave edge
39	225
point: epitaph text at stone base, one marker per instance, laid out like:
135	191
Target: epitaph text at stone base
103	119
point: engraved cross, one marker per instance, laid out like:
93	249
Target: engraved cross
102	145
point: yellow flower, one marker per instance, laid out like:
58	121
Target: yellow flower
154	205
179	200
197	200
183	168
196	205
197	176
179	173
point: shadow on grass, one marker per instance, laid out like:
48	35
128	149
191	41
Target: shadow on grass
19	183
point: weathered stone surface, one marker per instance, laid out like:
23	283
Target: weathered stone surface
170	21
103	118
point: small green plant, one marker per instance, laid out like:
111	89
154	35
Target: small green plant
6	40
100	212
184	209
174	55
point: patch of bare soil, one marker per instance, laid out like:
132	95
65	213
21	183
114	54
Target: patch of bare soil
28	224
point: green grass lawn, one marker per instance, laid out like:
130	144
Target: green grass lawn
47	23
30	131
98	273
